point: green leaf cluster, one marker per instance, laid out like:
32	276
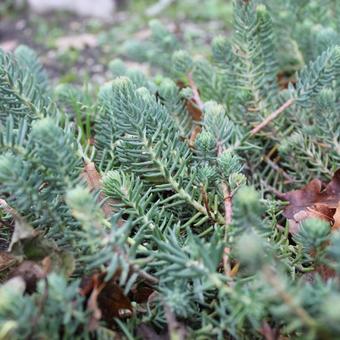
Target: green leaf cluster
193	214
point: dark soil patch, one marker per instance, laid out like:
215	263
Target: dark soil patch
23	28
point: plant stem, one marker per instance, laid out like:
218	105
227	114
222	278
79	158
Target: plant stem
276	192
227	197
271	117
146	276
275	167
228	215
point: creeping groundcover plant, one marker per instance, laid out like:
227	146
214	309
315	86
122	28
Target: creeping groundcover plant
202	203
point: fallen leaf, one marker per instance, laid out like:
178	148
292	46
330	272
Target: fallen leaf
113	303
336	217
141	293
106	300
194	110
22	230
93	180
319	211
313	201
191	105
312	194
31	245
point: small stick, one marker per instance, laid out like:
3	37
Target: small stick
274	166
276	192
226	263
143	274
271	117
227	198
226	195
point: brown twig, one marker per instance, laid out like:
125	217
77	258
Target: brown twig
226	263
227	197
271	117
228	216
146	276
276	192
275	167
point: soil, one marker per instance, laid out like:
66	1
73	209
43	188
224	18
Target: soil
23	29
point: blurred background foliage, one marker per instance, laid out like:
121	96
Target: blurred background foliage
73	48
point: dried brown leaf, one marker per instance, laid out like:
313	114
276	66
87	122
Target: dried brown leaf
336	217
93	180
312	194
313	201
141	293
106	300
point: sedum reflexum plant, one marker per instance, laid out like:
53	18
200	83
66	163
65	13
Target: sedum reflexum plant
171	224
